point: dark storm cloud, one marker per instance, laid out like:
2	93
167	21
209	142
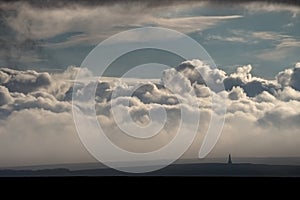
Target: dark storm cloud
61	3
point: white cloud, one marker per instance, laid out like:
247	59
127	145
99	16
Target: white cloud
5	97
227	39
261	120
236	93
265	35
288	42
252	37
190	24
288	94
284	77
290	77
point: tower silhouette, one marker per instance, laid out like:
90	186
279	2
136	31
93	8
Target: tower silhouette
229	160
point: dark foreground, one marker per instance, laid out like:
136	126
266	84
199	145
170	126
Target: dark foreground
207	169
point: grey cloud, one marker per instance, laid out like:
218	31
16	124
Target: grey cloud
24	81
20	90
150	3
295	78
103	92
38	101
199	72
251	85
46	102
189	70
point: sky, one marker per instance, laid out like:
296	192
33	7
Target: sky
54	37
255	45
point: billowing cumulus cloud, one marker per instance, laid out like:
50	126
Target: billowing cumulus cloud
251	85
23	81
5	97
37	126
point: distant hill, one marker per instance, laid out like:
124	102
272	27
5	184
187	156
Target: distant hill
203	169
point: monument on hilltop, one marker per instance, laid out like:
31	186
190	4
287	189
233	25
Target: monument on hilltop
229	160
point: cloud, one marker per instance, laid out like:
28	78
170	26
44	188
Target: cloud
25	82
283	116
254	37
290	77
103	20
288	94
284	77
191	24
295	78
227	39
236	93
29	33
37	126
251	85
5	97
200	73
254	7
282	45
285	45
40	137
29	89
